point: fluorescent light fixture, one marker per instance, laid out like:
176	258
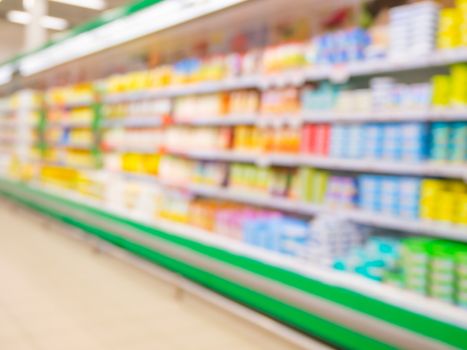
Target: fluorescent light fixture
152	19
88	4
49	22
6	72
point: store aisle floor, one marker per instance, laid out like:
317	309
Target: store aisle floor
57	294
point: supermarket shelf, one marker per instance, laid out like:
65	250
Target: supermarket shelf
189	89
396	296
434	114
71	105
299	118
70	124
133	122
293	160
298	77
428	228
374	219
74	145
296	119
224	120
140	150
390	65
151	179
59	164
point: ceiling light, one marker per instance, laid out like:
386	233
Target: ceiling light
49	22
89	4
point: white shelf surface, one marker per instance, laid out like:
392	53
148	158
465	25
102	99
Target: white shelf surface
430	114
90	170
225	120
72	104
70	123
74	145
300	118
133	122
124	149
396	296
359	165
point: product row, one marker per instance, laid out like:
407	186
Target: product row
407	31
400	196
385	94
408	141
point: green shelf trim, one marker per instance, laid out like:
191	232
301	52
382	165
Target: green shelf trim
96	127
418	323
41	130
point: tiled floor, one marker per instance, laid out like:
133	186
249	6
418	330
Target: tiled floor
57	294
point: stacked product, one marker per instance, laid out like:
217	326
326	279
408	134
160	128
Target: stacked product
391	141
391	195
254	139
231	220
247	177
315	139
286	56
339	47
177	171
280	101
372	259
134	139
341	192
202	106
135	163
70	130
413	29
71	95
285	235
449	142
443	200
388	94
179	138
138	111
384	94
435	268
332	238
450	90
322	97
309	185
236	103
452	31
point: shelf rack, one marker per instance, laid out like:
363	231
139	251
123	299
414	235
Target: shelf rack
317	301
297	77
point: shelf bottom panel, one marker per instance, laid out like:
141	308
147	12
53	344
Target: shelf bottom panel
340	316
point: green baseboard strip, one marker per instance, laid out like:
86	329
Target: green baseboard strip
416	330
